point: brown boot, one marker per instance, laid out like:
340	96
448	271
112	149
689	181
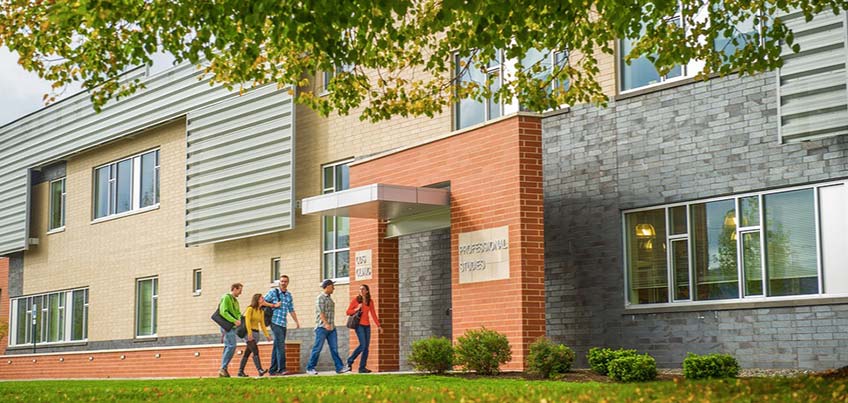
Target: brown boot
222	373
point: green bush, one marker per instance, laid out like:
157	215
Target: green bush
547	358
710	366
599	358
433	355
482	351
637	368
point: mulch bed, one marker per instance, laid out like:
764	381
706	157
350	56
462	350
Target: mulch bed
838	373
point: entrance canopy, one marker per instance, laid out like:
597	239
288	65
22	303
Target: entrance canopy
378	201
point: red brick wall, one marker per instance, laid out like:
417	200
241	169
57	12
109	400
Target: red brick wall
4	301
141	363
495	174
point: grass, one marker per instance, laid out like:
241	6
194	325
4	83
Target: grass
413	388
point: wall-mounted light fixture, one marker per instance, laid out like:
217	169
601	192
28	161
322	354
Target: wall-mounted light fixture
645	231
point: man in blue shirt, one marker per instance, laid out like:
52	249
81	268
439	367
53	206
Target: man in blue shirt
281	301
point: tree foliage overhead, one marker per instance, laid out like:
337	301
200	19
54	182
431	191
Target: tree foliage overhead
401	52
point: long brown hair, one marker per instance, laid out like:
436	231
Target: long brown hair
367	295
254	301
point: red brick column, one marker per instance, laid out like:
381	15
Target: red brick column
495	176
384	354
4	302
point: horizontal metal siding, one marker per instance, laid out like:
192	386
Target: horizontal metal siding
72	126
812	83
239	167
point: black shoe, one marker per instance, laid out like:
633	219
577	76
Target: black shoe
262	372
242	374
364	371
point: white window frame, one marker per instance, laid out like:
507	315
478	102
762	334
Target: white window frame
196	290
62	206
136	187
324	190
155	301
277	267
66	311
740	270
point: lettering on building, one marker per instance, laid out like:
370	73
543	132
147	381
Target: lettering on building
484	255
362	263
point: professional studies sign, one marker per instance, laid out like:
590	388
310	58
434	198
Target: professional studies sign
484	255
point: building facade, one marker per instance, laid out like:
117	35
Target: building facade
685	216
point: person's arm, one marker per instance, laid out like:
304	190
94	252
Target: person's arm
270	300
296	322
354	305
374	315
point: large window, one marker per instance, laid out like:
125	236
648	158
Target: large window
127	185
57	204
147	294
60	317
336	230
469	111
746	247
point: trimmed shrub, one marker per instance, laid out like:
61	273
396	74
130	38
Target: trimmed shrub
599	358
482	351
710	366
547	358
637	368
433	355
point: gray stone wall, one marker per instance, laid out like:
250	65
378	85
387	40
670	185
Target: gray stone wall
16	275
699	140
425	288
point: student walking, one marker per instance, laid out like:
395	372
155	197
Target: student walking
254	320
364	304
325	330
228	308
280	300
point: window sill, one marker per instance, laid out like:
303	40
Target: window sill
56	230
125	214
196	293
145	339
21	347
736	304
341	281
651	88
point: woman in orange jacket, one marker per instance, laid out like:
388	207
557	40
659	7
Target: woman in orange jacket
364	303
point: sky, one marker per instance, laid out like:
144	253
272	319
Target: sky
21	92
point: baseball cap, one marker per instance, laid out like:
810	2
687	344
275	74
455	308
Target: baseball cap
326	283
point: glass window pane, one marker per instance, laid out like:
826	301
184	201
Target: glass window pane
101	192
494	105
680	260
328	178
561	59
791	257
752	263
470	111
53	321
714	244
750	211
329	265
57	188
40	318
742	34
124	186
77	316
342	232
678	220
23	321
148	180
834	221
342	263
144	308
342	177
646	254
329	233
640	72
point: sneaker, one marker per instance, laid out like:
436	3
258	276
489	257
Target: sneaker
344	370
242	375
311	372
222	373
262	372
284	373
364	371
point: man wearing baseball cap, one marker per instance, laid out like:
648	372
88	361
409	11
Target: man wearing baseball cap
325	329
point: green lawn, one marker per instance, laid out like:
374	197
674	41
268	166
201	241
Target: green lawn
410	388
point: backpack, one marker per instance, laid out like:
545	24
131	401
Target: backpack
269	311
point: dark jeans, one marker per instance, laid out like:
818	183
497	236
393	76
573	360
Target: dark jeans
363	334
252	349
332	340
278	354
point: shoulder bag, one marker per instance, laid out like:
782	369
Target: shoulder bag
217	318
353	320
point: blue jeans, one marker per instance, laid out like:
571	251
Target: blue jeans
363	334
332	338
278	354
229	346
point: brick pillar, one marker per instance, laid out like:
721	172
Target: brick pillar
4	302
385	348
